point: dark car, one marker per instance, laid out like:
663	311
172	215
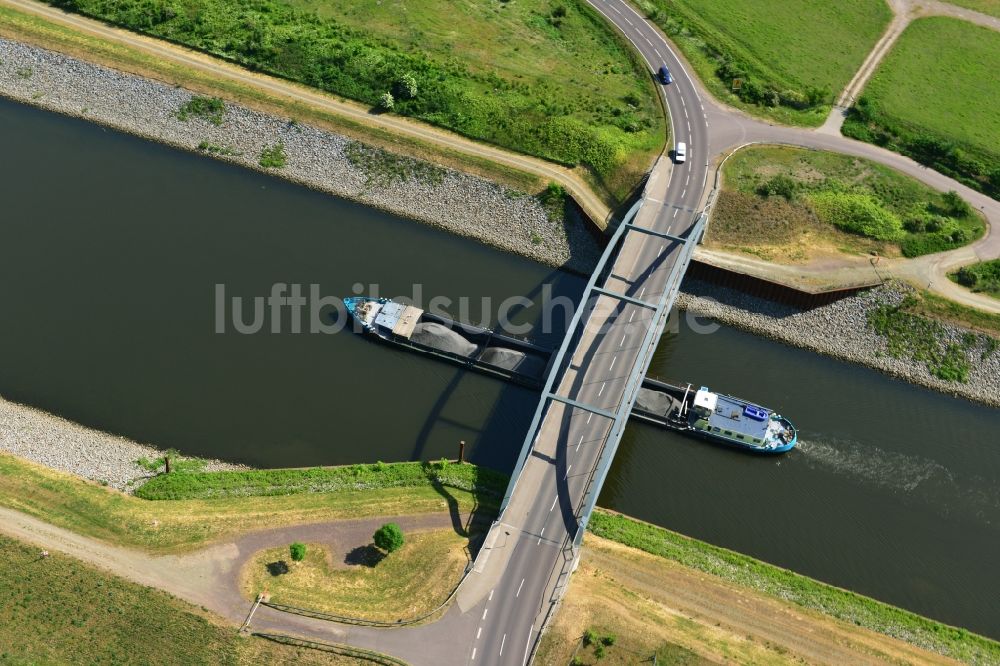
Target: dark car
664	75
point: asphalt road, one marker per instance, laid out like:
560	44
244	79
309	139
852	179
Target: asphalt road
527	559
530	558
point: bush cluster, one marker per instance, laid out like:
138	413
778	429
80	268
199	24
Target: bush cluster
858	213
981	277
275	37
974	167
757	86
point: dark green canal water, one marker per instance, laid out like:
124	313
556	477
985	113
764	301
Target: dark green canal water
110	252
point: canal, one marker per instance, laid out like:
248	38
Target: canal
111	250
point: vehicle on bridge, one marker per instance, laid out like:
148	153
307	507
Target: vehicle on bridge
680	152
664	75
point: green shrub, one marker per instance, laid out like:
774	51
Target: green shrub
273	157
211	109
387	102
981	277
858	213
297	551
780	185
389	537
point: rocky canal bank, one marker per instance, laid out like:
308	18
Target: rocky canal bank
459	203
843	331
69	447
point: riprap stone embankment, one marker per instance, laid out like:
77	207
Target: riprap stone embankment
457	202
841	330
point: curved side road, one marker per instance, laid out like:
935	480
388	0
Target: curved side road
728	128
209	578
595	208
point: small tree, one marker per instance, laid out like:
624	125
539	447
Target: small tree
297	551
386	102
389	537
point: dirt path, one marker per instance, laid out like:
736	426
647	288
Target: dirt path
571	180
904	12
717	605
210	577
207	577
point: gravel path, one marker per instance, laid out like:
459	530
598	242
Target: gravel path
69	447
460	203
841	330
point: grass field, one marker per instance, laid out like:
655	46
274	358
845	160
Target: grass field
790	205
934	98
793	57
406	584
61	611
546	78
991	7
982	277
174	525
789	586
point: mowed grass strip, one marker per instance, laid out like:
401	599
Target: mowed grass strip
570	91
794	58
175	525
403	585
789	204
58	610
935	98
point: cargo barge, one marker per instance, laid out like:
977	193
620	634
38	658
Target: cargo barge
712	416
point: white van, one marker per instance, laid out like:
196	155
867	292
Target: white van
680	152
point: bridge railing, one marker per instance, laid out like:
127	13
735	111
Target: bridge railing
610	444
569	340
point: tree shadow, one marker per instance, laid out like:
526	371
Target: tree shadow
277	568
365	556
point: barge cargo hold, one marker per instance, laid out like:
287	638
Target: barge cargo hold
712	416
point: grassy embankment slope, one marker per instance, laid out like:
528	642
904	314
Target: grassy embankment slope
934	98
211	506
243	501
982	277
566	88
852	608
18	25
789	205
794	58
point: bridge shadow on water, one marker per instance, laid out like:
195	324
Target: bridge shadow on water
495	443
566	509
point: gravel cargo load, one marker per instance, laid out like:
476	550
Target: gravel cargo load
443	338
511	359
653	401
